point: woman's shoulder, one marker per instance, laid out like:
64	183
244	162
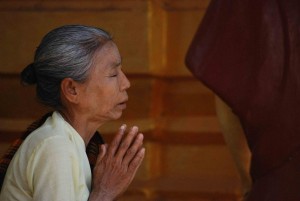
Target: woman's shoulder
53	134
49	131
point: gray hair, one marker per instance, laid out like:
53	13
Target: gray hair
65	52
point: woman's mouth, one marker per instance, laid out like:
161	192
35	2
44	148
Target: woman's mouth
122	105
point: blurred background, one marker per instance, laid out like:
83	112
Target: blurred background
186	156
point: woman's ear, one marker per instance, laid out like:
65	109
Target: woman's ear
69	90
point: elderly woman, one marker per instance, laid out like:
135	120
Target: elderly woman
77	72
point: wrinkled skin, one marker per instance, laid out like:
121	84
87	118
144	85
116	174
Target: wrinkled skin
90	104
117	164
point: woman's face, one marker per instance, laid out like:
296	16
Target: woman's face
104	93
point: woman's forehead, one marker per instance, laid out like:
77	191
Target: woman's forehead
108	56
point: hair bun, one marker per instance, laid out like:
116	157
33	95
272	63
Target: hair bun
28	75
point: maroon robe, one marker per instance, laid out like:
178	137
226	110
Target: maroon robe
248	53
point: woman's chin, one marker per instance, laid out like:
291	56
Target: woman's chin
112	115
116	115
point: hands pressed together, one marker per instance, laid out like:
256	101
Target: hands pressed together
117	164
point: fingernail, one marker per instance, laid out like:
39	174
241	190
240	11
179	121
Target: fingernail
123	127
135	128
141	136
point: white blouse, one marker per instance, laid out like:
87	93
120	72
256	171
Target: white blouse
50	165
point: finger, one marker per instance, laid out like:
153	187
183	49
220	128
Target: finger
134	148
126	142
116	141
102	152
136	161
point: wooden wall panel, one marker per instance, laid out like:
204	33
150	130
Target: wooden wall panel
176	22
17	101
187	97
24	23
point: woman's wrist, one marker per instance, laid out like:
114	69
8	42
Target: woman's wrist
99	196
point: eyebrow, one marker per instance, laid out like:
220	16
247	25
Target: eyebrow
117	64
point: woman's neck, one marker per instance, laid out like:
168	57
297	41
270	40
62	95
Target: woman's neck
80	123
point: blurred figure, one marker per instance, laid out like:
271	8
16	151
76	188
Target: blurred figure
247	53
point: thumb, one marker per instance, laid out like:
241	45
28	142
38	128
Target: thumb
102	151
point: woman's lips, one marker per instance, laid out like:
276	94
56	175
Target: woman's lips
122	105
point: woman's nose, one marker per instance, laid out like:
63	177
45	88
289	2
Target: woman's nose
125	84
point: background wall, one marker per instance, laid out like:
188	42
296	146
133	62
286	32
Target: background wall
186	157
